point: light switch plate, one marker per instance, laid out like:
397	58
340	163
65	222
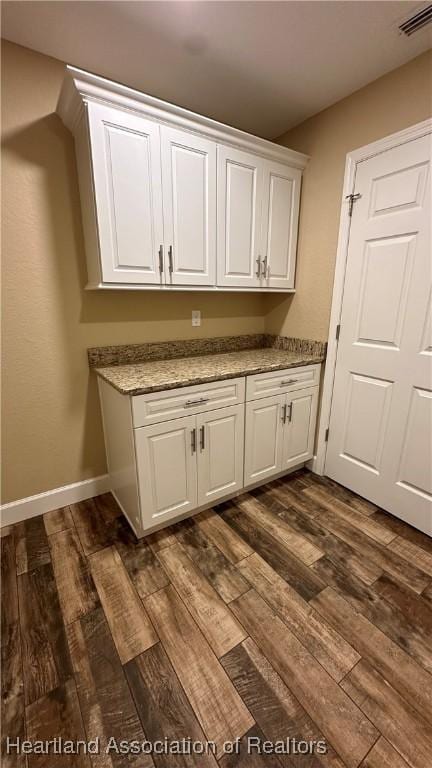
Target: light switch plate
196	317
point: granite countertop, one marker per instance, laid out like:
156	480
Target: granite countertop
156	375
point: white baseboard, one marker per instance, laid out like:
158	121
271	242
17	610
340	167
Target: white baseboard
31	506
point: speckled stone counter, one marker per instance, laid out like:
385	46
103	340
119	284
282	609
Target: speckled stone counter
125	354
156	375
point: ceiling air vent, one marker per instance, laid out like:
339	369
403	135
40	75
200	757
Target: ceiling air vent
416	21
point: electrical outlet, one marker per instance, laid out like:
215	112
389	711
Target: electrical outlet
196	317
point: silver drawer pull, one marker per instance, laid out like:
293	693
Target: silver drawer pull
288	381
200	401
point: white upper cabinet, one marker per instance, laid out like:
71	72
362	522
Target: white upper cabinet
240	190
280	211
172	200
189	204
155	193
125	151
258	208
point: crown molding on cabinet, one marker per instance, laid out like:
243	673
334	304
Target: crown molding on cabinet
79	88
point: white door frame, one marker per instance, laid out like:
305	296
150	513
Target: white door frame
352	159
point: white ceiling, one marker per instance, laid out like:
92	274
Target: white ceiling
260	66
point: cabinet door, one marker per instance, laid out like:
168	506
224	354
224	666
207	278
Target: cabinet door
240	181
167	469
189	205
263	439
128	194
281	198
220	453
299	427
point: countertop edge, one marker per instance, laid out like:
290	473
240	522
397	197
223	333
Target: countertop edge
208	378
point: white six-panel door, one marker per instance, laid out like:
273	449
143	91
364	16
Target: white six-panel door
381	417
128	194
280	210
220	453
189	206
167	469
239	211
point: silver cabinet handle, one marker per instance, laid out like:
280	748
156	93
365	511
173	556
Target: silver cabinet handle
202	437
193	440
284	413
258	261
290	412
170	259
288	381
200	401
161	264
266	267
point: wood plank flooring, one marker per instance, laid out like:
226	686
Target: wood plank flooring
297	611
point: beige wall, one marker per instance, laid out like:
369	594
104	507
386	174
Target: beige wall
51	427
395	101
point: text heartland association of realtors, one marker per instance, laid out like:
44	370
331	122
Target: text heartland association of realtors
186	746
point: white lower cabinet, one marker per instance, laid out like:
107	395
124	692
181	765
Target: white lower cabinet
167	469
280	433
185	463
299	427
220	453
263	439
173	452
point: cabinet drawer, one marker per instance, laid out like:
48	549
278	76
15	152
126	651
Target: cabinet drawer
278	382
173	403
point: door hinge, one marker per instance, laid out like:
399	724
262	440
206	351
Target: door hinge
337	332
352	199
327	434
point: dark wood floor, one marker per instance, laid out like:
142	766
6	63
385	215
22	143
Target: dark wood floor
297	611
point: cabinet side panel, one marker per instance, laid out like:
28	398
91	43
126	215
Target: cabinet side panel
88	205
120	450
